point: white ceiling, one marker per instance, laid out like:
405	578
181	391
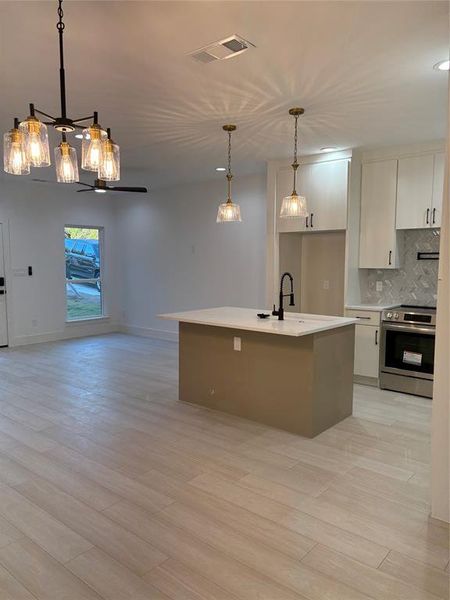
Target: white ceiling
362	71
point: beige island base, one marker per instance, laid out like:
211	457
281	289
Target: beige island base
295	374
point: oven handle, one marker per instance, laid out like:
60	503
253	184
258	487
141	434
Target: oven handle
410	328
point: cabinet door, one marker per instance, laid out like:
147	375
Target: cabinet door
367	351
438	189
285	180
414	192
327	191
378	237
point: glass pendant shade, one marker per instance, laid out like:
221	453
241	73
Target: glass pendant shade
91	147
293	206
66	163
228	212
36	142
15	161
109	169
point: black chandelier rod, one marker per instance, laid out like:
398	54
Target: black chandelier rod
62	75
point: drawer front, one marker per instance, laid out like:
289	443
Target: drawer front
366	317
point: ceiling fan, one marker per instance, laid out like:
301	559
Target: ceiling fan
101	187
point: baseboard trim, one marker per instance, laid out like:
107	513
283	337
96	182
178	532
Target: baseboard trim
74	331
157	334
363	380
439	522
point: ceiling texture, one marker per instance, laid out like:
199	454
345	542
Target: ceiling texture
362	71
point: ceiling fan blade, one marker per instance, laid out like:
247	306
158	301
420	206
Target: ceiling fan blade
84	190
142	190
86	184
44	181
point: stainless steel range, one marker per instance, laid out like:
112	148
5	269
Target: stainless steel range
407	349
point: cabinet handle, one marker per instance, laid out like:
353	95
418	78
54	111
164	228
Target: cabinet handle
428	216
307	219
434	216
376	337
390	257
365	318
312	214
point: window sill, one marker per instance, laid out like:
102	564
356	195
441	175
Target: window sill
88	320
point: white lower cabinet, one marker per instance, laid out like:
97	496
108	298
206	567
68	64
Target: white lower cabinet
367	341
367	351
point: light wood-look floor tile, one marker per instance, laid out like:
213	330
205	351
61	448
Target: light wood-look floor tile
111	489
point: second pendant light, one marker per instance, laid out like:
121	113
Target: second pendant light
294	205
229	211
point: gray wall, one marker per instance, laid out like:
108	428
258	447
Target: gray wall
174	256
414	283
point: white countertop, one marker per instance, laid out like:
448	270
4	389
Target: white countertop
294	324
374	307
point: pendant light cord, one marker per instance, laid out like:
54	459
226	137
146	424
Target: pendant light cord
295	164
229	174
62	76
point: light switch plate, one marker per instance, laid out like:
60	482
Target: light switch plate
379	286
237	344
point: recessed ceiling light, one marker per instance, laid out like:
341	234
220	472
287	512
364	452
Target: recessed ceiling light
328	149
220	169
99	191
80	136
442	65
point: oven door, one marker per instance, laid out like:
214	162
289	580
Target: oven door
407	350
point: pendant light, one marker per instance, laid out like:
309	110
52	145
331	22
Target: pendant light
15	160
229	211
294	205
32	136
66	162
109	168
91	146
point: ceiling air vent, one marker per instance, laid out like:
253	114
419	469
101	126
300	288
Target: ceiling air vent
227	48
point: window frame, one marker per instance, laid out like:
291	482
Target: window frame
100	279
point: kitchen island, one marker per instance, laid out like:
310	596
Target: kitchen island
295	374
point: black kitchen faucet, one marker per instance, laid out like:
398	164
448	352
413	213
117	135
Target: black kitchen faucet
280	312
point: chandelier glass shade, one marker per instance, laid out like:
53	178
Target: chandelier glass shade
109	167
36	141
91	147
15	160
229	211
26	145
294	206
66	163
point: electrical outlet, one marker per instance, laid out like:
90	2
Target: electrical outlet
237	344
326	284
379	286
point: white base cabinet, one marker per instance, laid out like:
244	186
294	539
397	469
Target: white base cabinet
367	351
367	342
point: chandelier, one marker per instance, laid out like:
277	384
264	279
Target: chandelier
229	211
294	205
26	144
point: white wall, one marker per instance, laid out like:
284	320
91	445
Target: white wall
174	256
33	217
440	426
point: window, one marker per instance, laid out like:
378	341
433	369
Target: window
84	271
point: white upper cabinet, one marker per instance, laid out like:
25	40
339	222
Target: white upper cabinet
324	185
438	189
414	192
420	191
327	190
378	236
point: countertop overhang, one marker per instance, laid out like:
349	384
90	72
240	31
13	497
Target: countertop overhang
294	324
